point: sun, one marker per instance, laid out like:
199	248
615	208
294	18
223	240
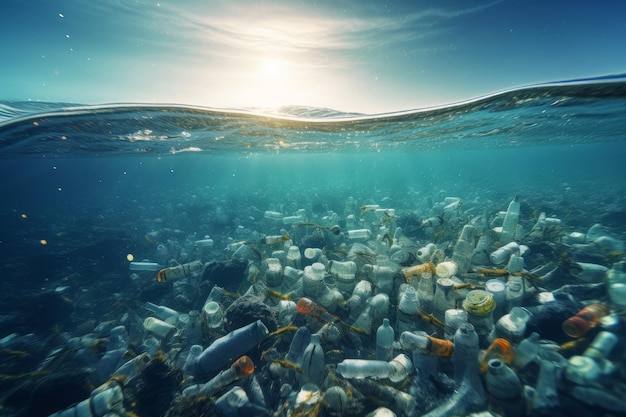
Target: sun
274	69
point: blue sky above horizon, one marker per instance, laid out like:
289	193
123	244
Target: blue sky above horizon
349	55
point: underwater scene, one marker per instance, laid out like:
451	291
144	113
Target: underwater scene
462	260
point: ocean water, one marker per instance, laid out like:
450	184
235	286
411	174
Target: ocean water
84	187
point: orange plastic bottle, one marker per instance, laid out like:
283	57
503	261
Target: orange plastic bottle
584	320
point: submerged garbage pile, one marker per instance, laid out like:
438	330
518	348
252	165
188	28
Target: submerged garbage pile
364	314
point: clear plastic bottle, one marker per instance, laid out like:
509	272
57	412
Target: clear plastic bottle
546	398
454	317
497	288
294	257
241	368
515	291
274	273
164	313
144	266
425	253
376	308
384	341
116	348
159	328
359	234
505	389
426	344
465	350
395	370
512	326
509	225
616	283
464	249
102	402
446	269
426	291
313	364
382	276
526	351
181	271
503	253
299	343
408	309
444	298
313	284
231	346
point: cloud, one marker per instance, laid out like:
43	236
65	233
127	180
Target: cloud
240	30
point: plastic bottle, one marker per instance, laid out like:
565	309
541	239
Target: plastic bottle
336	400
515	291
299	343
505	389
425	253
497	288
446	269
376	308
503	253
133	367
465	350
313	364
464	249
584	320
444	298
294	258
309	308
144	266
426	291
312	254
382	276
100	403
546	398
359	234
204	243
274	273
408	309
588	272
212	314
512	326
231	346
479	305
411	272
509	225
526	351
515	263
616	283
593	365
426	344
384	341
116	348
338	267
180	271
395	370
401	402
470	394
159	328
164	313
453	319
313	284
241	368
499	349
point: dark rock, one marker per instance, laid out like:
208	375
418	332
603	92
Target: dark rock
227	274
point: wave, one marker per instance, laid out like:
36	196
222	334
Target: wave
28	128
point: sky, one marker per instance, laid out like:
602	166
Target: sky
350	55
